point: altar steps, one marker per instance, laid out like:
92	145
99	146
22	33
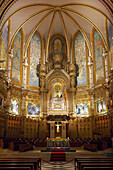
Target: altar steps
58	155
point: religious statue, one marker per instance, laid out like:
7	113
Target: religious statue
57	45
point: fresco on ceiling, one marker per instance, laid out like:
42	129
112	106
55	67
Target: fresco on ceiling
35	58
101	106
4	45
17	57
80	56
110	43
33	109
98	56
82	109
14	107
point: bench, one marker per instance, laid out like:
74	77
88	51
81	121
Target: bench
93	163
20	163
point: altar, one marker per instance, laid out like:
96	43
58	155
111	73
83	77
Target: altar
56	143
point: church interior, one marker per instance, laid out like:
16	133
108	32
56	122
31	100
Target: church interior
56	84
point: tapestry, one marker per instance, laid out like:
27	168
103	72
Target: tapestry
110	43
17	57
80	56
4	45
14	107
98	56
33	109
35	59
82	109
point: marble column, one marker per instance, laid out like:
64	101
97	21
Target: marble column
52	130
63	130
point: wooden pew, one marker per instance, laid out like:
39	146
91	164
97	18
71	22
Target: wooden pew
93	163
1	143
20	163
90	147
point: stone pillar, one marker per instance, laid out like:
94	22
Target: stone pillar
72	90
10	57
52	129
43	90
90	64
23	104
106	64
25	65
111	86
71	105
63	130
92	103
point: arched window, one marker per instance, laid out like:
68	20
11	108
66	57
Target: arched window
4	44
110	43
35	58
16	64
98	51
80	56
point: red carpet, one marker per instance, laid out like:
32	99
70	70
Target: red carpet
58	155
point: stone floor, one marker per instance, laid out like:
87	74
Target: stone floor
45	157
57	165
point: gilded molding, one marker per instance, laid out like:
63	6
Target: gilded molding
20	26
83	16
85	36
48	38
34	29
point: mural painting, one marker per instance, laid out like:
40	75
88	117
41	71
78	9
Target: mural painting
35	58
101	106
57	46
17	57
110	43
98	56
14	107
33	109
4	45
80	56
82	109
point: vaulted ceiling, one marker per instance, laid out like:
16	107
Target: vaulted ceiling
56	16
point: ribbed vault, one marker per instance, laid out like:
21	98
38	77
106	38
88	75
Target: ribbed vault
50	17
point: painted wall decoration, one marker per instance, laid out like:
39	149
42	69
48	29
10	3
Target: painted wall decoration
17	57
35	58
4	44
14	107
33	109
98	56
57	45
101	106
82	109
110	43
80	56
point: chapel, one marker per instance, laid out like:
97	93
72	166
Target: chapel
56	75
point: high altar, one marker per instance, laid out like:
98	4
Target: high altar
58	87
57	142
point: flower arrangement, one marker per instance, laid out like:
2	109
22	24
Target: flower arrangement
57	139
